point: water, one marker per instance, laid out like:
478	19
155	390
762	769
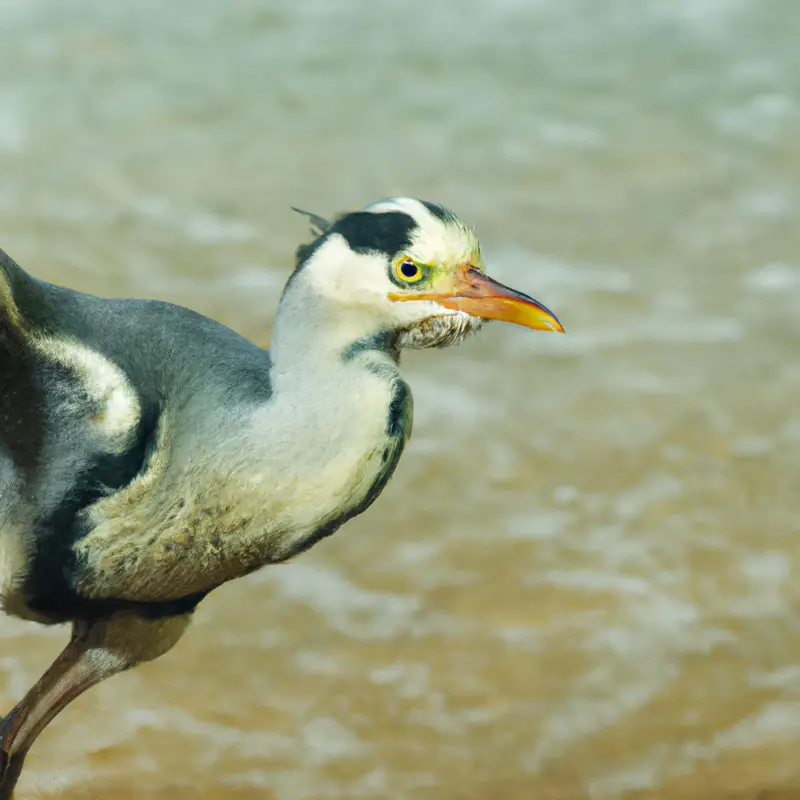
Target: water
581	582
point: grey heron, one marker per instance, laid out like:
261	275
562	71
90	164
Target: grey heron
149	454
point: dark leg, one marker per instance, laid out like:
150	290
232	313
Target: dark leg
96	651
12	770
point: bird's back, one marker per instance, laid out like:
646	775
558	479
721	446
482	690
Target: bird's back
85	383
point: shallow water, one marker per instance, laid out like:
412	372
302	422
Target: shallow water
582	580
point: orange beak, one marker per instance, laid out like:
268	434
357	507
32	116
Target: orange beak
480	296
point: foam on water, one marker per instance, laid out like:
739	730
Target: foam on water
326	739
12	126
203	227
653	328
777	277
784	678
774	722
344	606
547	274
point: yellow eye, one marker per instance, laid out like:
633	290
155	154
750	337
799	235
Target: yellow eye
408	271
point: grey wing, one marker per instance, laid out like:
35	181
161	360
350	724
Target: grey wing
72	429
96	404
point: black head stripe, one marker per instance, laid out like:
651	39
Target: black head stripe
366	232
440	212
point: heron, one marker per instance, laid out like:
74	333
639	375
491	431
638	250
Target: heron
150	454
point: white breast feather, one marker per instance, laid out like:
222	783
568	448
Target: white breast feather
119	408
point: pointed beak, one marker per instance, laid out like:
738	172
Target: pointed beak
481	296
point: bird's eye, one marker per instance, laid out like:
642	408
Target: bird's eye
408	271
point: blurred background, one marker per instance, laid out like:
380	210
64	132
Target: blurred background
582	582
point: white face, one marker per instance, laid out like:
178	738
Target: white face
406	268
394	248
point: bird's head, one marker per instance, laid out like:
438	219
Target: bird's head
409	270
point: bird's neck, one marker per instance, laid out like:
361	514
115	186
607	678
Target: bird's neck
336	384
312	337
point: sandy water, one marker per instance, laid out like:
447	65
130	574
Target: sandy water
582	581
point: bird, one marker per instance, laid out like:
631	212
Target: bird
150	454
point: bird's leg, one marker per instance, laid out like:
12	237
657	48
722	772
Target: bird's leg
68	676
96	651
